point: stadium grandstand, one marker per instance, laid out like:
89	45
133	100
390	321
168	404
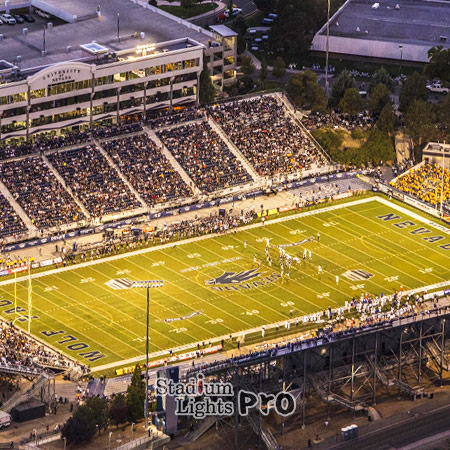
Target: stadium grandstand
123	170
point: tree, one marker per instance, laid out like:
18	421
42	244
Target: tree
263	72
351	103
207	91
81	427
415	88
118	410
305	91
419	121
245	84
378	148
381	76
343	82
379	97
240	24
247	66
100	409
265	5
444	112
387	119
136	393
439	65
279	67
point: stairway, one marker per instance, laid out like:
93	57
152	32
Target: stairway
121	175
175	164
236	152
267	437
435	353
63	183
33	391
19	210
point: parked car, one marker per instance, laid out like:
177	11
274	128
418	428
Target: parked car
438	88
7	18
42	14
19	19
28	18
5	419
234	12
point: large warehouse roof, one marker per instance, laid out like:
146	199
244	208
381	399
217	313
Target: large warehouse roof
395	29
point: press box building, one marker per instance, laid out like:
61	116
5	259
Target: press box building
103	60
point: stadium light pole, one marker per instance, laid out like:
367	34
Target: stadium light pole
442	181
401	57
147	284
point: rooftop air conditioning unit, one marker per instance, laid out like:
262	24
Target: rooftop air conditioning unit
18	59
50	25
68	48
25	31
142	35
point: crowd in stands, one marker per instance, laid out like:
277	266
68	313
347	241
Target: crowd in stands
204	156
158	119
19	350
369	312
116	130
424	182
363	121
266	136
10	222
98	185
39	193
147	169
42	143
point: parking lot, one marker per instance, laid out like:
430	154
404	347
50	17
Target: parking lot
16	30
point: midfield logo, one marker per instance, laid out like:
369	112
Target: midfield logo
357	275
246	279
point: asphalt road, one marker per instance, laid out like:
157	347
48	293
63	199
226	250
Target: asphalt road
247	7
411	430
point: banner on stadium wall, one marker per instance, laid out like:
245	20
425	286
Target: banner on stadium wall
49	262
171	359
176	210
341	196
288	208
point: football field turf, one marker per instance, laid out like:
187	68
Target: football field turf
213	287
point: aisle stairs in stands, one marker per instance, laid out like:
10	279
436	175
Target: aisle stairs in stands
63	183
121	175
233	149
175	164
19	210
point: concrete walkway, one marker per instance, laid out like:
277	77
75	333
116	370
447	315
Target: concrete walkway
64	185
19	210
175	164
236	152
112	163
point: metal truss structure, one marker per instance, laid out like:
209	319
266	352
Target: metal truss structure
352	369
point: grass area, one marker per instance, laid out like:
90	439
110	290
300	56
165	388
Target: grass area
77	312
185	13
255	19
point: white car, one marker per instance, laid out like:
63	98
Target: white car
7	18
234	12
42	14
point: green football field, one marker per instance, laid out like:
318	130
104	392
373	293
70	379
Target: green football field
214	288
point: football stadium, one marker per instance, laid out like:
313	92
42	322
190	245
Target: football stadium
223	285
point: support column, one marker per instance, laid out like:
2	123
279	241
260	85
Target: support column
145	100
442	349
419	366
330	377
197	93
375	362
28	111
400	360
304	391
91	104
118	105
352	387
171	95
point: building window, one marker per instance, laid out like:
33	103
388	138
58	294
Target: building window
38	93
170	67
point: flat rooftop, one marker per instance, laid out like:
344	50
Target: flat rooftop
420	22
158	27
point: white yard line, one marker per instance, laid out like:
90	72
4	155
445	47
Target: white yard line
185	242
225	337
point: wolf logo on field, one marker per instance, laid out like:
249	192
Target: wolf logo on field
235	278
